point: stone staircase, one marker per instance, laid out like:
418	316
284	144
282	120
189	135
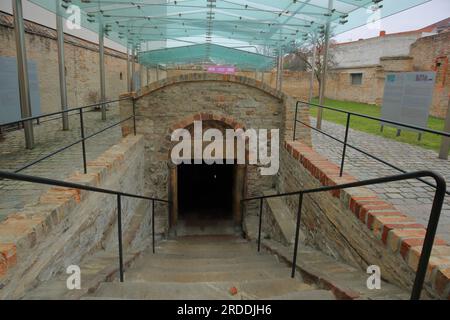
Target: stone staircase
224	267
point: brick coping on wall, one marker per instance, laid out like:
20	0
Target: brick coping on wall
195	77
23	229
398	232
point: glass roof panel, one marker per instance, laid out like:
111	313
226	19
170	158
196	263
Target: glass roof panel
207	53
269	23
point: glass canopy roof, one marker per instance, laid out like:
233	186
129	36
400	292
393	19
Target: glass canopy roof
268	23
207	53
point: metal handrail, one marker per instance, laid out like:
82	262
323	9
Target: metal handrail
402	124
83	138
60	112
431	228
119	194
348	145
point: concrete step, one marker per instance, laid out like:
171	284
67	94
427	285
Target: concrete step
188	266
182	247
211	254
164	261
98	268
207	267
274	272
209	239
207	227
306	295
194	243
346	281
256	289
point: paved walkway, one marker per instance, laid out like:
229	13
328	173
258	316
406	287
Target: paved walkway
15	195
411	197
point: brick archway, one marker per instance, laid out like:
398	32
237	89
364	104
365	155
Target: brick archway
239	170
208	116
197	77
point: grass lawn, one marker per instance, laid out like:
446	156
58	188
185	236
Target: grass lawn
429	141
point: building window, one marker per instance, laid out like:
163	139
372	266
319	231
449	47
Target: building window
121	76
356	78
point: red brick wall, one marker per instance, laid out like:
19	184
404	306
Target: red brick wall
426	53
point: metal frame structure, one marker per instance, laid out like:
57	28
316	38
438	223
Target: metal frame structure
323	76
62	68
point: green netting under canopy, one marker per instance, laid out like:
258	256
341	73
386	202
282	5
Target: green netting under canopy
207	53
256	22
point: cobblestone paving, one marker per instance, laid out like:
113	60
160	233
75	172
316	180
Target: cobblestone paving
15	195
411	197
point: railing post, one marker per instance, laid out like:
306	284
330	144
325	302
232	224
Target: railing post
83	144
22	73
134	115
260	223
429	237
153	226
295	120
297	232
345	145
119	230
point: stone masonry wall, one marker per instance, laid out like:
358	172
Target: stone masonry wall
177	101
81	61
67	225
356	226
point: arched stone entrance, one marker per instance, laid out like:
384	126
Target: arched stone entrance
177	102
232	175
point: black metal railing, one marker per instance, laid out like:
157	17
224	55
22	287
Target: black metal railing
119	194
348	145
83	137
431	228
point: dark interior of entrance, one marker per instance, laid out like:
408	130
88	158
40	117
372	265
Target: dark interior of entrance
205	191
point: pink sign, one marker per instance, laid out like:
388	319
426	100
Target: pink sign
222	69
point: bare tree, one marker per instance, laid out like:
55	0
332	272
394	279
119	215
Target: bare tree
302	53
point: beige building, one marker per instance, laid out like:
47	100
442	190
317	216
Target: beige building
362	65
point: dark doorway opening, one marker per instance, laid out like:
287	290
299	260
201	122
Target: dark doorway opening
205	191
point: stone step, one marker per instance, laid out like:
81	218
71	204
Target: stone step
213	250
190	266
208	239
306	295
208	267
346	281
182	262
252	289
98	268
275	272
214	246
194	243
206	227
211	254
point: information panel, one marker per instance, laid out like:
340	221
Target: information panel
9	90
221	69
407	98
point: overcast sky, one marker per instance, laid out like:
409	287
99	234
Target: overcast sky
412	19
